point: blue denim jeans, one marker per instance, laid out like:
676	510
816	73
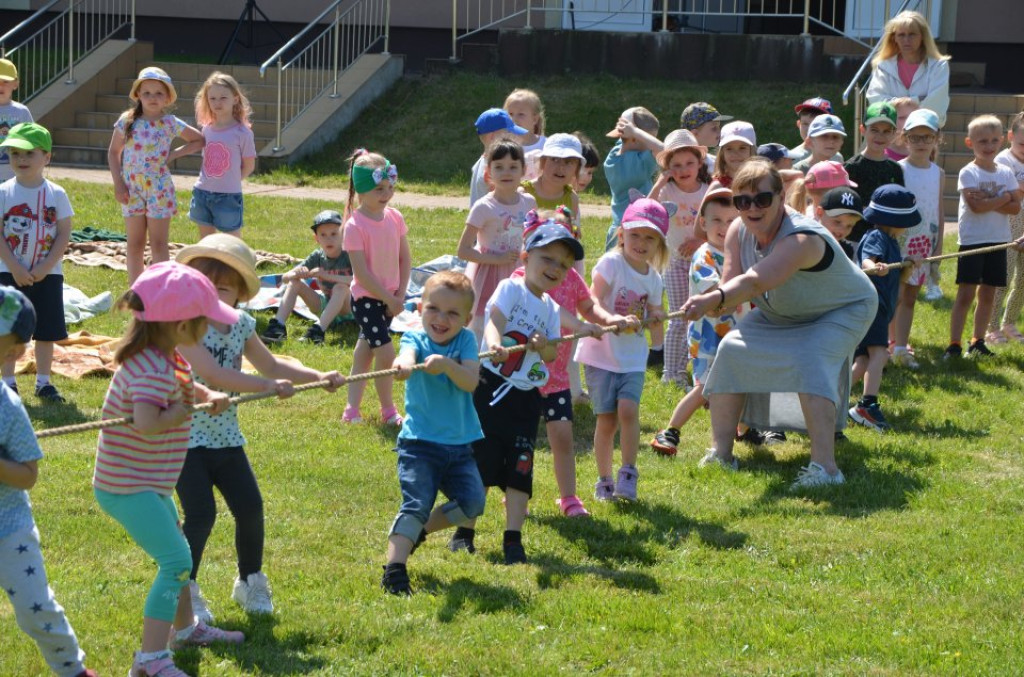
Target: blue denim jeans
424	468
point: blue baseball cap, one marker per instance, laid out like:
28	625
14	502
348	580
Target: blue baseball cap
894	206
497	120
17	316
549	233
773	152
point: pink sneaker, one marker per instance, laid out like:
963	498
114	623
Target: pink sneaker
205	635
159	667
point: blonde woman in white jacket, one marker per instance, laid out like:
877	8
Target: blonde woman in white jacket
910	64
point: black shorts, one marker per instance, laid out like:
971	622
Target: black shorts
878	333
374	321
988	269
47	297
504	456
556	406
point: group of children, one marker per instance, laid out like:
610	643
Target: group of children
470	422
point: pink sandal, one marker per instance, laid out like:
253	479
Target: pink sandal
351	415
572	506
1010	331
391	417
995	337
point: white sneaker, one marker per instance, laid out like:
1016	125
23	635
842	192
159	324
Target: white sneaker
815	475
253	594
902	358
932	293
200	607
712	458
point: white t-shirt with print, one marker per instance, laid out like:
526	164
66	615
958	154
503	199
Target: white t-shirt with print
526	315
990	227
30	217
227	349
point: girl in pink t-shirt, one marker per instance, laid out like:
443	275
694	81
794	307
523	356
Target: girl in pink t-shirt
379	252
229	155
493	236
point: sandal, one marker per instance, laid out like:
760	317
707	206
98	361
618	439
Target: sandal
994	337
572	506
1010	331
351	415
391	417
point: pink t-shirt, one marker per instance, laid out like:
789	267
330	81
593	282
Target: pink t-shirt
682	222
222	158
127	461
381	243
906	71
572	292
499	227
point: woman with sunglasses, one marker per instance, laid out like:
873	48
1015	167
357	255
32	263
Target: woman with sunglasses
786	364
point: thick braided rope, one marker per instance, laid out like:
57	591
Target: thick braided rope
252	397
956	255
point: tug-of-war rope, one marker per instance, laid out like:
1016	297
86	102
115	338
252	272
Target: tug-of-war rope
369	376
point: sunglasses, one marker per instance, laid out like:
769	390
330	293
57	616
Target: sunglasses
761	201
921	138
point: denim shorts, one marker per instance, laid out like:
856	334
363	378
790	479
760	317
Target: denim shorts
608	387
223	211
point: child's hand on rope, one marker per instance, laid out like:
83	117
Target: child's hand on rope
282	386
590	329
334	379
219	401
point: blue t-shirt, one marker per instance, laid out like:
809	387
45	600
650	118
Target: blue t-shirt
882	247
436	410
17	443
632	169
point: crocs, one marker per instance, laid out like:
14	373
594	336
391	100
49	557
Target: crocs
572	506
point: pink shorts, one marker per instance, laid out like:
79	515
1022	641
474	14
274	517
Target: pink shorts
150	195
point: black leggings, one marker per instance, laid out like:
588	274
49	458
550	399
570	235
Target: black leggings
227	469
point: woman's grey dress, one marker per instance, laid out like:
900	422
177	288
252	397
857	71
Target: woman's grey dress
799	338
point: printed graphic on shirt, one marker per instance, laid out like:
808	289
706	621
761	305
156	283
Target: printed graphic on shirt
19	221
216	159
629	302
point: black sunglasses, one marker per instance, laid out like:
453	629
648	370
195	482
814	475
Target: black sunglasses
761	201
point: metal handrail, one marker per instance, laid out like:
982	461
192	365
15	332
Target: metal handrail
295	38
11	33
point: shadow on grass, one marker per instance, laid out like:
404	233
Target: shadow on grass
554	571
54	415
263	652
461	593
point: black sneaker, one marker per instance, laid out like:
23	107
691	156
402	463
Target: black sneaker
515	553
396	580
978	349
315	335
274	333
460	541
772	437
841	437
952	351
752	436
49	393
666	442
656	357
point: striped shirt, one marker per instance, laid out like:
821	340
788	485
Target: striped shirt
127	461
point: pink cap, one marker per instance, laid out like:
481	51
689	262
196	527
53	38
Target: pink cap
826	175
172	292
646	213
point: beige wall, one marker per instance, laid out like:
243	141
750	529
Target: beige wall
996	21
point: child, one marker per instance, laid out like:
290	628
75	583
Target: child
892	209
11	112
1012	157
898	149
140	150
591	161
434	445
703	335
777	154
507	400
527	111
839	211
825	139
138	464
626	282
821	178
989	195
491	125
871	168
216	454
36	231
330	266
559	165
705	122
738	145
683	182
376	244
35	607
806	112
493	236
924	179
631	163
229	155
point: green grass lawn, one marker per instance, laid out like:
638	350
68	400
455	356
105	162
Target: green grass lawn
911	568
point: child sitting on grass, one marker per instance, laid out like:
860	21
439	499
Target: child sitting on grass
329	265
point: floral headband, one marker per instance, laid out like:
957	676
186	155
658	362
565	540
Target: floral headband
365	179
533	221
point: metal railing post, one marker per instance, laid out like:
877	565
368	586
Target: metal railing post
71	43
131	38
858	117
664	16
280	76
455	11
529	14
337	47
387	28
807	18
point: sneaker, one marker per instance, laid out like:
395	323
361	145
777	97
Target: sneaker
711	457
571	506
952	351
903	358
773	437
200	607
49	393
205	635
869	416
752	437
995	337
88	672
1011	332
274	333
604	490
253	594
396	580
625	483
977	349
841	437
351	415
459	541
932	293
515	553
158	667
815	475
315	335
656	358
666	442
391	417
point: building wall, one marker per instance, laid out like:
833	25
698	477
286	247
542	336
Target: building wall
991	21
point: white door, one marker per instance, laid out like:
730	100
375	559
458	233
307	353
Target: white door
607	15
866	19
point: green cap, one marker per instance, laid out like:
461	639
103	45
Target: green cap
28	136
880	111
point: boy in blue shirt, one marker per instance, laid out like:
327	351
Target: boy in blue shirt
631	162
434	445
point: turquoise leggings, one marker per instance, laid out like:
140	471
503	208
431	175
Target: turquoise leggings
152	521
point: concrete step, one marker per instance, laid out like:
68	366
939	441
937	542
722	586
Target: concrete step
105	121
978	103
956	120
118	103
201	71
91	156
259	90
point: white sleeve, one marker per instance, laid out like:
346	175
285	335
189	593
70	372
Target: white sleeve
937	98
880	85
